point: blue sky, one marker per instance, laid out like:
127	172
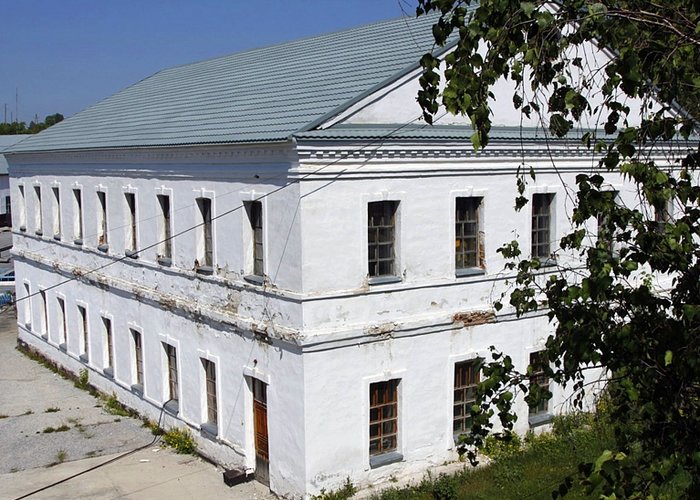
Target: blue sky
64	55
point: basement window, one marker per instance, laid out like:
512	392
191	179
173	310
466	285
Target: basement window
384	423
381	242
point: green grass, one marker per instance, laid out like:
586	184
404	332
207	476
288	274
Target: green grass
533	471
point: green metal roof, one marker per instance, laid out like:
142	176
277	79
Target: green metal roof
264	94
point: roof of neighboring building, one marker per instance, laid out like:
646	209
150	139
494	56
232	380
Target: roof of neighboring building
265	94
5	142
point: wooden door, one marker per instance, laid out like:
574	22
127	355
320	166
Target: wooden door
262	457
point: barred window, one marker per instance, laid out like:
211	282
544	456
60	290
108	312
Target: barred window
381	238
466	379
383	417
468	252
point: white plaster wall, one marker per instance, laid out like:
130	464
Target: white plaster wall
236	354
337	397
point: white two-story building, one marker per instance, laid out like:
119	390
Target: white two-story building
272	249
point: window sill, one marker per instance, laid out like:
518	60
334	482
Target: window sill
384	280
39	232
84	358
132	254
254	279
205	270
137	389
103	248
23	229
28	325
62	346
78	241
209	430
470	271
109	372
546	262
57	237
172	407
540	419
165	261
45	336
385	459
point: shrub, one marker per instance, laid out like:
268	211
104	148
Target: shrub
180	440
346	491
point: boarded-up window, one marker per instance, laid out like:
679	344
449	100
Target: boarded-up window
465	382
383	417
381	238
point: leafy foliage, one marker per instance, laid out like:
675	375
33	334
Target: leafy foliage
628	298
33	128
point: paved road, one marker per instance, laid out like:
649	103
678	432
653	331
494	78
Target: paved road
34	400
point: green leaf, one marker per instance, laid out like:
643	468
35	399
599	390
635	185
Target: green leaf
668	358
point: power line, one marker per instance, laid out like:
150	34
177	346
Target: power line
235	209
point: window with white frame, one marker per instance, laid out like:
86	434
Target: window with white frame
102	232
44	325
108	344
383	417
38	211
78	216
542	219
381	238
254	209
173	391
84	333
165	247
62	325
22	216
469	251
209	368
138	357
131	240
56	213
205	256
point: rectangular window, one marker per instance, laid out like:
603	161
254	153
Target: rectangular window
78	216
43	327
205	256
22	209
102	233
62	320
469	252
138	356
27	306
38	212
255	217
8	205
166	246
171	355
466	379
381	238
56	213
542	226
82	312
383	417
210	378
108	346
538	361
131	233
